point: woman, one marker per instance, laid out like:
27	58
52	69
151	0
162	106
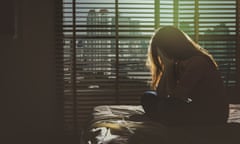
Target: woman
189	89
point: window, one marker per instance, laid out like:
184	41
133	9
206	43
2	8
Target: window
102	46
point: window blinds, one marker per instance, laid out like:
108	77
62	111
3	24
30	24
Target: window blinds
217	33
102	47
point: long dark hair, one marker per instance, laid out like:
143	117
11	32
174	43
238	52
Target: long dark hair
176	44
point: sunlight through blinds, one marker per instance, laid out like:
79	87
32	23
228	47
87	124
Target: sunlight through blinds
217	33
102	46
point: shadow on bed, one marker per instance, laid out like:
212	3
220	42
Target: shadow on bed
129	125
224	134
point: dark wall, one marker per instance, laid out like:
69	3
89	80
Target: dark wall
28	100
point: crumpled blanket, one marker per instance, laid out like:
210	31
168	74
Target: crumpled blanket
127	124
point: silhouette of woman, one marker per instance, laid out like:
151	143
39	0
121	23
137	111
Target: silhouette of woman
188	89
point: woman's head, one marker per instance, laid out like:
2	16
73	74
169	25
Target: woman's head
170	43
173	43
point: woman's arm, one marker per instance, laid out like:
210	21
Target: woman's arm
195	69
167	82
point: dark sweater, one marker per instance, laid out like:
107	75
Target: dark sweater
198	78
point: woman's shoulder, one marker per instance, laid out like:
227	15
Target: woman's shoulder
195	59
200	59
197	62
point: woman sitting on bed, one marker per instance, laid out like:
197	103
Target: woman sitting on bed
188	89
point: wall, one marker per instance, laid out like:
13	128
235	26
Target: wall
30	106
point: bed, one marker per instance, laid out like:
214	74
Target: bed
127	124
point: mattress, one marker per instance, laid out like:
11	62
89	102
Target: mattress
127	124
